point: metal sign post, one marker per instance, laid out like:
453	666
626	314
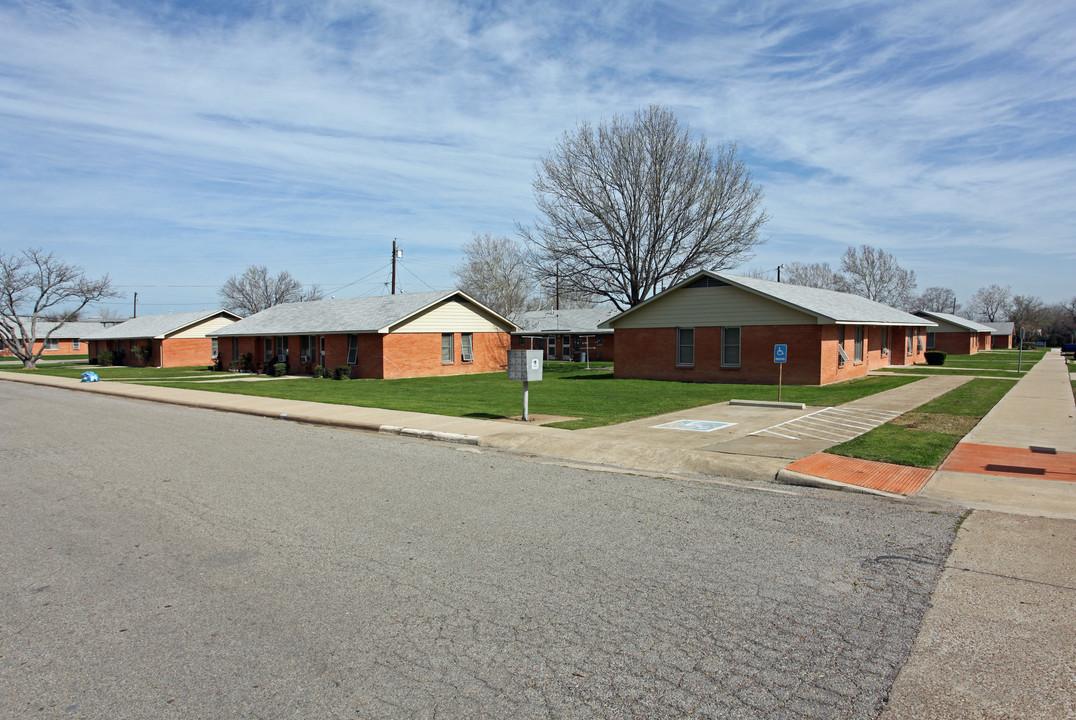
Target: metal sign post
780	356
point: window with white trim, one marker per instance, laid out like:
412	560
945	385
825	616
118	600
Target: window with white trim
448	348
730	347
76	344
685	346
466	348
51	344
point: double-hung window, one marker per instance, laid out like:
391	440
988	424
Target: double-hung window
685	346
466	348
51	344
730	347
281	348
930	340
448	348
352	349
859	344
76	345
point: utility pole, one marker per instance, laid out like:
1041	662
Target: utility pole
135	312
556	290
395	254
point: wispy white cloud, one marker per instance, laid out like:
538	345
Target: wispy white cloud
162	142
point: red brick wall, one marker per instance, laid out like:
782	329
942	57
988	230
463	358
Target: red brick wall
955	343
605	351
650	353
181	352
63	347
419	354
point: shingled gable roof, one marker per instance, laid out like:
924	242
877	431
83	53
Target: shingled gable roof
155	326
828	306
75	330
969	325
577	320
359	315
1001	328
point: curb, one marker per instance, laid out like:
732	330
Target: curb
791	477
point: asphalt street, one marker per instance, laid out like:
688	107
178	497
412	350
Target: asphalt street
161	561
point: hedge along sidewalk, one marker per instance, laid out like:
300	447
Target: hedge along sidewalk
925	436
595	397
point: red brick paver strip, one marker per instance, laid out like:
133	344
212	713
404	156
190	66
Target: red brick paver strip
897	479
1030	462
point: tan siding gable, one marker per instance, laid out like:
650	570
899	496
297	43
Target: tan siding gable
451	317
946	327
200	330
713	306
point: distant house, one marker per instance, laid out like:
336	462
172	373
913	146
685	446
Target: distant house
956	335
173	340
1001	335
715	327
66	340
388	336
566	334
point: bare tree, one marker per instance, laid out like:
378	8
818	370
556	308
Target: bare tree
255	290
939	299
816	275
1028	314
990	303
636	204
876	275
494	271
35	284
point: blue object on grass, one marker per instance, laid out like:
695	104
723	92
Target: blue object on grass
90	376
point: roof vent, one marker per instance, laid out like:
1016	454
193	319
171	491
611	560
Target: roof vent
707	281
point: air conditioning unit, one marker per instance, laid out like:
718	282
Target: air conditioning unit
304	358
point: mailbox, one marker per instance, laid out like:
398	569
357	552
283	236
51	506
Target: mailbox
525	365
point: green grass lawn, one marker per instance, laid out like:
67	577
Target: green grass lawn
120	372
12	358
992	363
594	396
924	437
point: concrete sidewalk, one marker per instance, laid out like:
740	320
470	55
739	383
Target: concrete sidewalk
1036	420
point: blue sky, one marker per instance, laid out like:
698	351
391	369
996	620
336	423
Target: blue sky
171	145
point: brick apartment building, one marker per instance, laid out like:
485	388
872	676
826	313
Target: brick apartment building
715	327
56	338
567	334
388	336
956	335
173	340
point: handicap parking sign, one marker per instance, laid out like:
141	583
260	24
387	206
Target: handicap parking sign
780	353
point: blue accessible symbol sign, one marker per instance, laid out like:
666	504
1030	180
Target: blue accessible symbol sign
780	353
